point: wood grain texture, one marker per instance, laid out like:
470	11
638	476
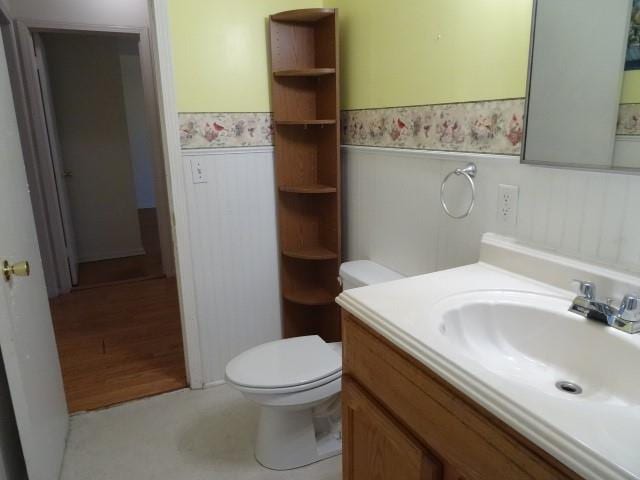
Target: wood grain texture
305	95
147	266
118	343
303	15
307	189
311	252
305	72
306	121
470	440
379	449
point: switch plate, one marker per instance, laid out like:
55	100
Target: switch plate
508	204
198	170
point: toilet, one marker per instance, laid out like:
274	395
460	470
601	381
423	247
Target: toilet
297	382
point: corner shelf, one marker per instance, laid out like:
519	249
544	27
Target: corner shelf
305	91
308	189
310	253
315	297
305	72
305	122
307	15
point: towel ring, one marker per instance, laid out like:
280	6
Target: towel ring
469	172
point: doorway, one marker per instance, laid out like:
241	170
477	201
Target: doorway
110	275
92	91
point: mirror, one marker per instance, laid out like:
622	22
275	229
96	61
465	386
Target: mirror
583	93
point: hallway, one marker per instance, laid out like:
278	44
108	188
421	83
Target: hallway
145	266
120	342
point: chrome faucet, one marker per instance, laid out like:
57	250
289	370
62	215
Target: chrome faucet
626	317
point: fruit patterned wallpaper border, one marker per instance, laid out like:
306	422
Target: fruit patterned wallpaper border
224	130
629	119
494	126
491	127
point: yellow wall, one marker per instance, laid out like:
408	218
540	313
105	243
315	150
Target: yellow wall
414	52
220	52
631	87
405	52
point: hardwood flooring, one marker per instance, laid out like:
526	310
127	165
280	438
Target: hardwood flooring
149	265
119	342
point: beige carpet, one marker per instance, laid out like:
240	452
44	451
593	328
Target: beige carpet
184	435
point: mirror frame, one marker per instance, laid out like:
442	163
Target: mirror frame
525	118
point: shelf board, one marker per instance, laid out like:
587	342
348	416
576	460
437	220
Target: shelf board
308	189
305	72
317	296
305	122
303	15
310	253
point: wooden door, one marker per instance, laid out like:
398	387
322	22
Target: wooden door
375	447
26	331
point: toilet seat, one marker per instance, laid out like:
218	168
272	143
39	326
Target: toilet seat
283	390
286	366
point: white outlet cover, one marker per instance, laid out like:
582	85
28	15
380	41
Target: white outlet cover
508	196
198	170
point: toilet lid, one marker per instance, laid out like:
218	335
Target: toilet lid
285	363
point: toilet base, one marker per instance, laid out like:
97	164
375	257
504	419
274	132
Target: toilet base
289	439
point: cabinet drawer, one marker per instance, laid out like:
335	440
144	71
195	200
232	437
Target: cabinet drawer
378	448
464	435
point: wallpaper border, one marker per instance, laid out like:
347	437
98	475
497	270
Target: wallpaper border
492	126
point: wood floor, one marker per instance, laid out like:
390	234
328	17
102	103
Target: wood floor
119	342
149	265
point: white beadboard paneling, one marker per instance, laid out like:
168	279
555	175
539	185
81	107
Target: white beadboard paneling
235	254
391	194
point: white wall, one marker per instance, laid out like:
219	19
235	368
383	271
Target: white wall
393	215
86	85
12	465
130	13
139	137
232	224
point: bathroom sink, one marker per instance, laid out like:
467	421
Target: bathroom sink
532	340
500	331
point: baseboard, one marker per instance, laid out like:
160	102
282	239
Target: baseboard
112	255
217	383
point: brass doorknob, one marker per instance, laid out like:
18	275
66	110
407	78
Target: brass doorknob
20	269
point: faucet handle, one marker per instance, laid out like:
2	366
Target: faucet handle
586	289
630	308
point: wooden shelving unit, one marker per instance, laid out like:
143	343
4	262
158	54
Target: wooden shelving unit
305	72
305	95
306	121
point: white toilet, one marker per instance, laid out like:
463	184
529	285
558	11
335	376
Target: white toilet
297	383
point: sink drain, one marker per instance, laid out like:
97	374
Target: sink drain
569	387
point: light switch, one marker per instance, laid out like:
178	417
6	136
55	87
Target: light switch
198	170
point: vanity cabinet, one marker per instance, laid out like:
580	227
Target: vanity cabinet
378	446
401	421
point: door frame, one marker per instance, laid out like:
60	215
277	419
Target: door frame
40	164
178	181
169	177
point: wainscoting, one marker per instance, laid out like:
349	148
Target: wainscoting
393	213
392	216
232	223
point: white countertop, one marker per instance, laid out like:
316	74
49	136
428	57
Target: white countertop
597	440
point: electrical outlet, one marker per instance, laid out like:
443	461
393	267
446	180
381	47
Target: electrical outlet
508	204
198	170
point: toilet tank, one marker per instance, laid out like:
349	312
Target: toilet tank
361	273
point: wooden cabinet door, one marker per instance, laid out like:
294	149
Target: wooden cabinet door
375	447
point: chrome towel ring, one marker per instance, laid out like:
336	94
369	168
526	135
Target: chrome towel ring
469	172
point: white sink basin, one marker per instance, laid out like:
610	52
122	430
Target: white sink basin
533	340
500	332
